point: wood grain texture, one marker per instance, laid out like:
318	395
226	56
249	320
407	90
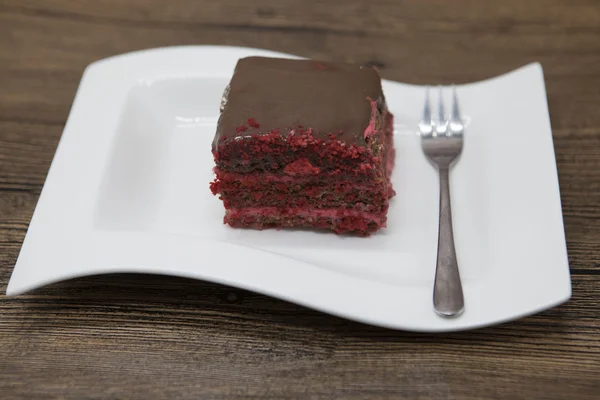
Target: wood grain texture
149	337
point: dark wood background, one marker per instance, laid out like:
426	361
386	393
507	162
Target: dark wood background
157	337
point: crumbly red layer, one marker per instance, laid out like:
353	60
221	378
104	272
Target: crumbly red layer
275	151
390	152
338	220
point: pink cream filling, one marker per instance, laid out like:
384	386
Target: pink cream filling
333	213
370	131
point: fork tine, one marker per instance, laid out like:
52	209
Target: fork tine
426	124
441	112
427	108
455	115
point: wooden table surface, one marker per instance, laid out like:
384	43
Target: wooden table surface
147	337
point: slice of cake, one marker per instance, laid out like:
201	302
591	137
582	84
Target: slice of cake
304	144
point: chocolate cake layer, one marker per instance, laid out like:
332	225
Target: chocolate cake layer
327	177
359	200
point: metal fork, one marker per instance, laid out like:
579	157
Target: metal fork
442	141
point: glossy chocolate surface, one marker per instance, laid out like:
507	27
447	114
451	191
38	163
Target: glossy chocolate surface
283	94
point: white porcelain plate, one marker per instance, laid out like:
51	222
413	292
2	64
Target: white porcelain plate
128	192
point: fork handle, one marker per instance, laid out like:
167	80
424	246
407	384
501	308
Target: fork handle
448	298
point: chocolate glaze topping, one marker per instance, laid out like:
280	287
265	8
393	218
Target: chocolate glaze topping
283	94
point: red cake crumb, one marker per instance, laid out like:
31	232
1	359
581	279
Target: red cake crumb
301	167
252	122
